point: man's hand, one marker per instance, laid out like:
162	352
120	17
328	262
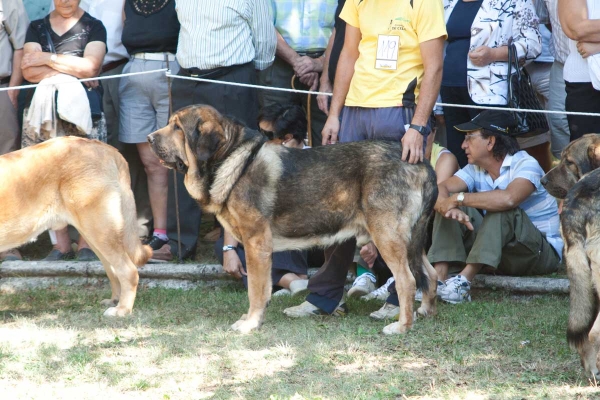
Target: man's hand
304	64
323	100
232	264
35	59
458	215
92	84
330	130
412	143
481	56
444	205
369	253
311	80
588	49
13	95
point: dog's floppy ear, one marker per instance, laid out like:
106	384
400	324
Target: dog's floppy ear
594	154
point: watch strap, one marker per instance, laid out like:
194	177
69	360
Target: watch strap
419	128
229	247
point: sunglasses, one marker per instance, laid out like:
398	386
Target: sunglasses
471	136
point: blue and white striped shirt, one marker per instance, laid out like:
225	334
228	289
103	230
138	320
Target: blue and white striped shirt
540	207
221	33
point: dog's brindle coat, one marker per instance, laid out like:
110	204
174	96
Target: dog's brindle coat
272	198
577	180
80	182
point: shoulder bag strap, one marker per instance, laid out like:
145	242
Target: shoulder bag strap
46	30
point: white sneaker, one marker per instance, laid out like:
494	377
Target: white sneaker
440	287
380	294
363	285
457	290
282	292
307	309
299	287
388	311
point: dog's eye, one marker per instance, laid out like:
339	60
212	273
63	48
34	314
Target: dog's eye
180	165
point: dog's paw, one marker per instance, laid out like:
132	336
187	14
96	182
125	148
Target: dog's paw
427	311
116	312
245	325
109	303
395	329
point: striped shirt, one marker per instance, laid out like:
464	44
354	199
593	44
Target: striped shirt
540	207
221	33
305	25
560	41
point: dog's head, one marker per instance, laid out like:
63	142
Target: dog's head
194	135
578	158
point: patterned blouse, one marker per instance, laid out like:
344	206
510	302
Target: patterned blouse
495	23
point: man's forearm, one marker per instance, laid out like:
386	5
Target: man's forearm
428	94
325	75
493	200
284	51
16	78
343	77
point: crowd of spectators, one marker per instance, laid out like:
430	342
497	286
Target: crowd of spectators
384	62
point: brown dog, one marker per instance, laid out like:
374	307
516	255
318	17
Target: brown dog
84	183
577	180
260	192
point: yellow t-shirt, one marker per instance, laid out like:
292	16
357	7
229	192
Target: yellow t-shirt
389	68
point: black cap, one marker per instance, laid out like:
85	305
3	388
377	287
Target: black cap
498	121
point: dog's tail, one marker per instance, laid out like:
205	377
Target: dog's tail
418	240
583	307
139	253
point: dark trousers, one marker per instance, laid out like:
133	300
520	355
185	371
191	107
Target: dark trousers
582	97
456	116
235	101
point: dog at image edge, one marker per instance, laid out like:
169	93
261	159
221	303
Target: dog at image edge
80	182
576	179
272	198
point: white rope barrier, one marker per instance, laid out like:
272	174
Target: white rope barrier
261	87
98	78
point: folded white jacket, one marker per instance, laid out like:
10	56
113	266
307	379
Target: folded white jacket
72	105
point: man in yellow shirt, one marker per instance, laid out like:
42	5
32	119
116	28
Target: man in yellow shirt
387	81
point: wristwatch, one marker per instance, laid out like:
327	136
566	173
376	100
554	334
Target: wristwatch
53	58
421	129
228	247
460	198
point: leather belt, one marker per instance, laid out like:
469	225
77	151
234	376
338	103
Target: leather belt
4	81
114	64
209	73
154	56
312	54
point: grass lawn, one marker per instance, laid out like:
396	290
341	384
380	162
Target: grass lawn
177	345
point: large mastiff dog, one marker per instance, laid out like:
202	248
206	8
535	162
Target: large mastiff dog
577	180
272	198
84	183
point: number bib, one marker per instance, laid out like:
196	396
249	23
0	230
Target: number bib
387	52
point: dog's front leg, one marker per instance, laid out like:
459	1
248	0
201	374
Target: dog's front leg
259	249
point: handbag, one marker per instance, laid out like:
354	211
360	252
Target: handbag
94	94
521	95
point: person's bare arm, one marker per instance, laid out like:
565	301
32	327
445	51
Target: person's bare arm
573	16
445	167
444	201
325	85
499	200
231	262
432	54
16	78
87	66
343	77
35	73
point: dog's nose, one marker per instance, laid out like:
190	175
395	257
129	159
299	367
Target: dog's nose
151	138
544	180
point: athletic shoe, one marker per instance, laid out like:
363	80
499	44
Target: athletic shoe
155	242
457	290
299	287
10	255
380	294
163	254
282	292
388	311
57	255
86	254
363	285
307	309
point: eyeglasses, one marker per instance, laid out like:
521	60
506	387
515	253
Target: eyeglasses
471	136
269	134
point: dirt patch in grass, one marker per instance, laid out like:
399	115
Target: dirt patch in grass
177	345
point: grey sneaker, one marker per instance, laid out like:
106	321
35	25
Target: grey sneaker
457	290
282	292
381	293
307	309
363	285
388	311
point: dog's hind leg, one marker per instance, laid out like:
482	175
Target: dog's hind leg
259	248
428	305
394	252
115	286
594	335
